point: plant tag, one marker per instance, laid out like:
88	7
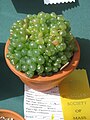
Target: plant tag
75	96
42	105
57	1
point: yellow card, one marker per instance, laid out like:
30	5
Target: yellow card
75	96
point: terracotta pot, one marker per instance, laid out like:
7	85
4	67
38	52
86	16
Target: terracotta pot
45	83
11	114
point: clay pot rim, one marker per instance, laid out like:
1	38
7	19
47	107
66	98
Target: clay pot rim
61	74
13	113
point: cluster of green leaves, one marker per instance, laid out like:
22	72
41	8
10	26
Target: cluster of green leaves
41	44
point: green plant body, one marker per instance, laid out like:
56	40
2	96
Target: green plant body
41	44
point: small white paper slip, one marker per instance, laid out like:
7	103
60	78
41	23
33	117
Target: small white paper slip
42	105
57	1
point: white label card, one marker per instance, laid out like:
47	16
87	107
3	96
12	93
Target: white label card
57	1
42	105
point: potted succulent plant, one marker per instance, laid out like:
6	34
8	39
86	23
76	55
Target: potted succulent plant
41	50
